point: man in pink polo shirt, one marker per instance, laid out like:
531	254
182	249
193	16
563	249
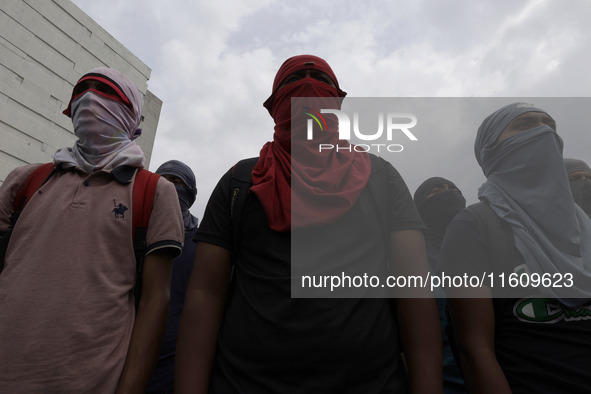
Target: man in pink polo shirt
68	322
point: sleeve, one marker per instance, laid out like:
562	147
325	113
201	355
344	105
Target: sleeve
216	226
165	228
465	249
8	191
402	214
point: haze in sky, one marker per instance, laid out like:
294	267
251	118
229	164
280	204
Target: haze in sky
213	65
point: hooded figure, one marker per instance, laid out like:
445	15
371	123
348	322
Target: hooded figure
298	186
106	110
579	175
527	187
437	211
187	193
183	178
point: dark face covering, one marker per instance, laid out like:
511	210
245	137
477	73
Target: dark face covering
186	197
186	193
581	190
437	211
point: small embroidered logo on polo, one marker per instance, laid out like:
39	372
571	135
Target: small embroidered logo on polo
119	210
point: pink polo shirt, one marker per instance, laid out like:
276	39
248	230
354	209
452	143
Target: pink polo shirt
66	303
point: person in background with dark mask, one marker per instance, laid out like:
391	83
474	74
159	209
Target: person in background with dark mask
579	177
438	201
183	179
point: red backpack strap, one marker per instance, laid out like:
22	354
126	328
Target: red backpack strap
144	188
32	184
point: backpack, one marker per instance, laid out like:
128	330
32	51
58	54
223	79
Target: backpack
144	188
240	183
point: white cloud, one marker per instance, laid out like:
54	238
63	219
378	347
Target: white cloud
213	64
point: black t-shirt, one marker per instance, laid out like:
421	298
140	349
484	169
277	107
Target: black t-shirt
541	345
272	343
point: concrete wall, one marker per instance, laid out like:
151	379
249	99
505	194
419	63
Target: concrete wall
45	47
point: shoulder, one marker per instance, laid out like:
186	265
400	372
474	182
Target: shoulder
378	163
467	227
238	176
15	179
481	218
242	170
20	174
468	222
164	186
245	163
465	247
382	167
9	189
165	196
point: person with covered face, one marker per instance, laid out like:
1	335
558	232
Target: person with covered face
68	321
183	179
579	177
522	338
248	335
438	201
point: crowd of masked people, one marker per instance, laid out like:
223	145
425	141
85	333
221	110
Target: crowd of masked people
109	284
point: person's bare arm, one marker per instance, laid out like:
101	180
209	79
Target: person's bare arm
150	323
474	327
418	317
201	318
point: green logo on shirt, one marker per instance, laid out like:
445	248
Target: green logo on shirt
548	310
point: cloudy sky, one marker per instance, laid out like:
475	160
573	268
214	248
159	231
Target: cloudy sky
213	63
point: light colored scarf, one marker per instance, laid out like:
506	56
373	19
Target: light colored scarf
528	188
105	127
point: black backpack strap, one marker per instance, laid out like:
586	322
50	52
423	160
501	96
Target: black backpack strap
240	184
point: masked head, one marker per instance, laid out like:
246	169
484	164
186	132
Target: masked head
105	102
105	108
184	180
579	177
438	201
510	132
301	76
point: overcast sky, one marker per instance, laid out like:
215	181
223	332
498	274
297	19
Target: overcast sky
213	63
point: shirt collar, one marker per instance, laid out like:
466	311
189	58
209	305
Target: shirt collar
122	174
